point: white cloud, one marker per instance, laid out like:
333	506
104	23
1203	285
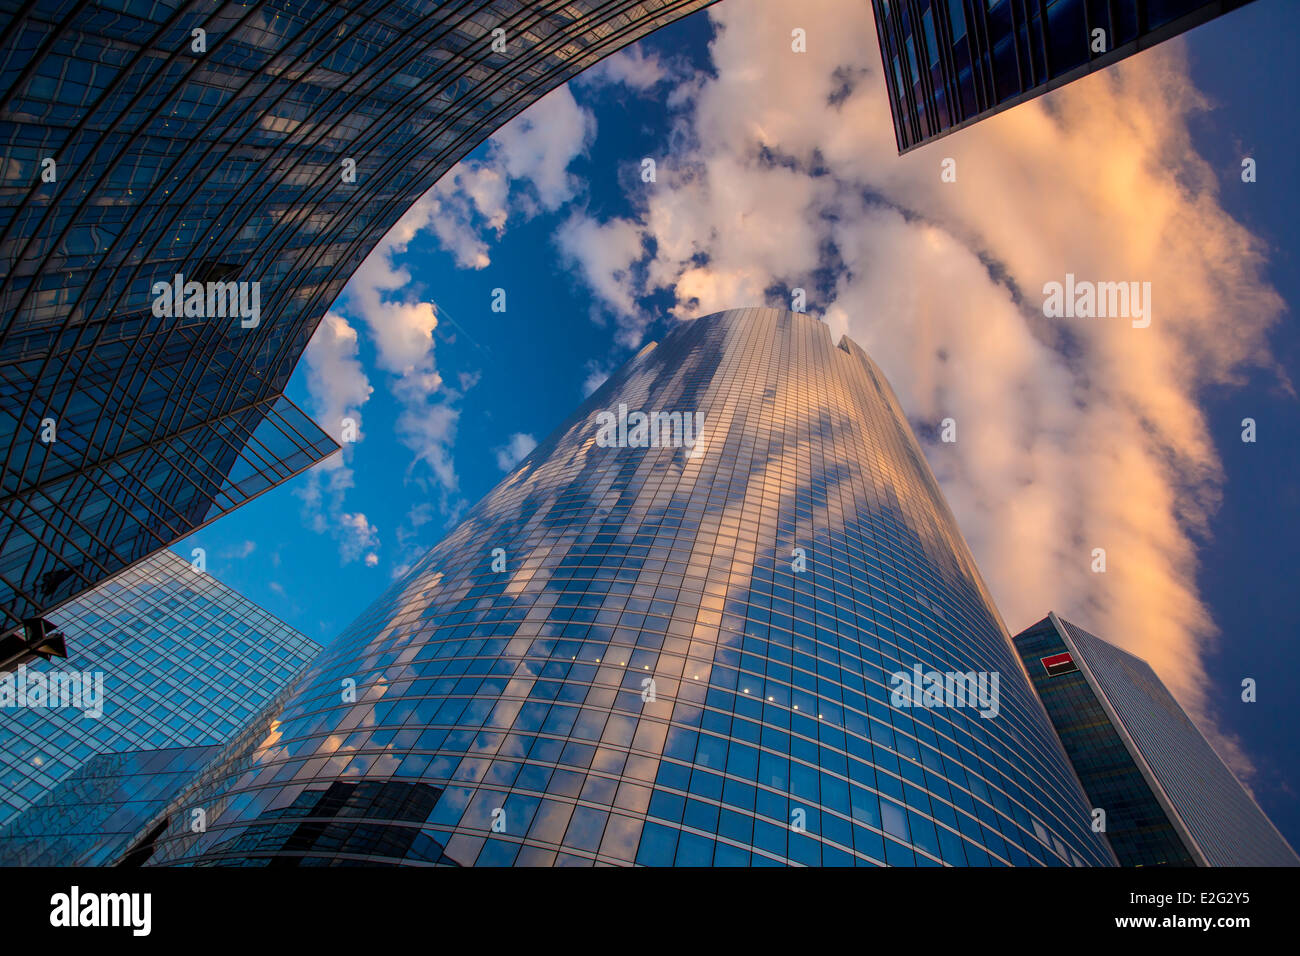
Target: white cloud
428	428
401	328
239	551
335	378
339	387
467	202
525	170
410	544
356	536
538	145
597	372
603	254
322	491
631	67
515	450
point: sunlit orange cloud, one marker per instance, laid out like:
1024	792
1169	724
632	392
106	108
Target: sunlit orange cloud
1073	434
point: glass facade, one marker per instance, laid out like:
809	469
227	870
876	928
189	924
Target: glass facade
264	155
1140	830
672	645
90	818
950	63
1168	797
182	662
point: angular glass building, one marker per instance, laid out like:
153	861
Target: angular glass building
950	63
92	816
675	634
166	659
1169	800
248	156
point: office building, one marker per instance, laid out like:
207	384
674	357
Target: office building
166	659
1165	798
680	632
951	63
90	816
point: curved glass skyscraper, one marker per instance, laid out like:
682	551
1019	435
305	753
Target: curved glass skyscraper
680	631
249	156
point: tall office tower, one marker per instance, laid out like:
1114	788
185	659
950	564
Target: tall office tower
168	664
675	640
185	187
951	63
1167	797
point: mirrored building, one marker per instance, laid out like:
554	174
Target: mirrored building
184	190
164	660
91	816
1167	798
680	632
951	63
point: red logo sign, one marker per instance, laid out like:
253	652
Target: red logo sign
1059	664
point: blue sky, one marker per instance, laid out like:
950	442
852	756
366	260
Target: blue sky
593	260
1251	557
